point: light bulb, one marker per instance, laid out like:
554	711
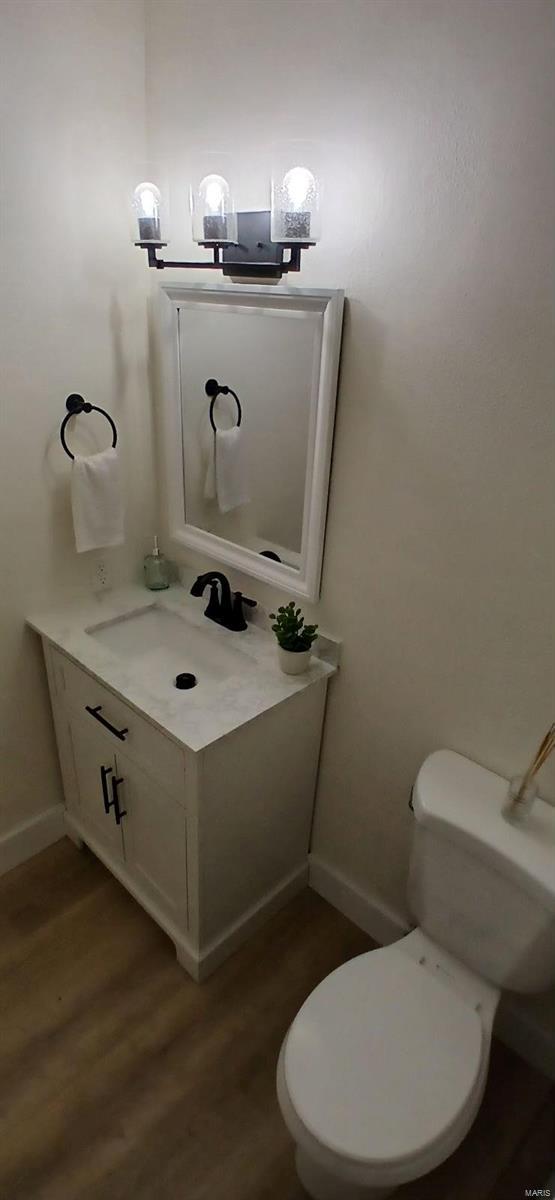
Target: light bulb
146	202
214	196
215	190
298	184
148	199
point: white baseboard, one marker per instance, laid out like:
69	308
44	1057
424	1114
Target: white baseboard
369	912
30	837
518	1023
199	963
232	937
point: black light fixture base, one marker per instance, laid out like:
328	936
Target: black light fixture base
253	256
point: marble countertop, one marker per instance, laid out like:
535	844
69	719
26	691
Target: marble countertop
194	718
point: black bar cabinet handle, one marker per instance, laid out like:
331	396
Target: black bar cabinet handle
104	772
95	712
118	812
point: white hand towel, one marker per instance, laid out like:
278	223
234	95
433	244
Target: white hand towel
97	501
227	475
232	488
210	481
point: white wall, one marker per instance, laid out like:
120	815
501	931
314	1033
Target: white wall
72	318
436	115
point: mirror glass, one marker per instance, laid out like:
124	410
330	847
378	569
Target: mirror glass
270	358
254	461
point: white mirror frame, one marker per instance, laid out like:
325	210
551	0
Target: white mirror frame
305	581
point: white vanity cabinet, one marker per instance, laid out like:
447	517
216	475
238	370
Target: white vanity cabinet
119	798
154	840
127	814
210	842
95	768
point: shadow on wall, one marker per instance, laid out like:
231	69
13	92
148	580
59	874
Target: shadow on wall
358	394
120	369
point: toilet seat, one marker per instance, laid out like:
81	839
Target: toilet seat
383	1069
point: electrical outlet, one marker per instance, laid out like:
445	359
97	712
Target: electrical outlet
101	578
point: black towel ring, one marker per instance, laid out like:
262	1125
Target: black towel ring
215	389
75	404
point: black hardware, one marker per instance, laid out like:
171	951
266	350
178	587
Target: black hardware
114	802
238	616
215	389
95	712
270	554
75	404
185	681
118	812
160	263
253	256
411	799
224	608
219	605
104	772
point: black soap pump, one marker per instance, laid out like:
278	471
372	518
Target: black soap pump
156	569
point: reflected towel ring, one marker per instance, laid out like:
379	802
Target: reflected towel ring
75	404
215	389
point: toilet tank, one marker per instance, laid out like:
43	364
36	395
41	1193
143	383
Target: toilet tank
482	888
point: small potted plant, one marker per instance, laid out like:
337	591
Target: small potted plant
294	638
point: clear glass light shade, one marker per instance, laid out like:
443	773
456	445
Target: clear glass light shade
212	208
295	194
150	213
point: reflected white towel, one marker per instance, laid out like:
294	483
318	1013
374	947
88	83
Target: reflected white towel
210	481
227	474
97	501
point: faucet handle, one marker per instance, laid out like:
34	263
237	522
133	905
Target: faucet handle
238	621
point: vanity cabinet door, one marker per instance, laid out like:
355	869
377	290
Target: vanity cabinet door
155	840
94	773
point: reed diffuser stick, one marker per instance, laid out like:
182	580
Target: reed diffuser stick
543	751
544	756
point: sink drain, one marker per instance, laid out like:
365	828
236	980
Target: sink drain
185	680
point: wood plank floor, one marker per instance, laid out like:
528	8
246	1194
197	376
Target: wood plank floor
120	1078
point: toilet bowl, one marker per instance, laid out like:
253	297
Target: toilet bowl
383	1069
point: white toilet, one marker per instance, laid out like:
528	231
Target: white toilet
382	1071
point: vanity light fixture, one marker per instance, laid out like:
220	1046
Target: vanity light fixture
263	244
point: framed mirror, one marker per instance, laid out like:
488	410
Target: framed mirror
250	384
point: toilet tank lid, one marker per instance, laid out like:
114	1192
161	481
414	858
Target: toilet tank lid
463	802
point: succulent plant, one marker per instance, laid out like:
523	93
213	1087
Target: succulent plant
290	629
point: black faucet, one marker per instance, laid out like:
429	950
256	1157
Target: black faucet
224	607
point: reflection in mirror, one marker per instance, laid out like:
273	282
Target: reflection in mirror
246	482
250	403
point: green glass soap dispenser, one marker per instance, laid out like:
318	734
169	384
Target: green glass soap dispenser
156	569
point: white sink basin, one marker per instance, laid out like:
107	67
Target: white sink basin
162	644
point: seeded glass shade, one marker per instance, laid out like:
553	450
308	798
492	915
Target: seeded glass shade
150	210
295	194
212	205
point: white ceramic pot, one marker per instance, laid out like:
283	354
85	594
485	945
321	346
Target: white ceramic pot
293	662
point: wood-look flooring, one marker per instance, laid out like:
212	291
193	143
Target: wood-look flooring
121	1079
